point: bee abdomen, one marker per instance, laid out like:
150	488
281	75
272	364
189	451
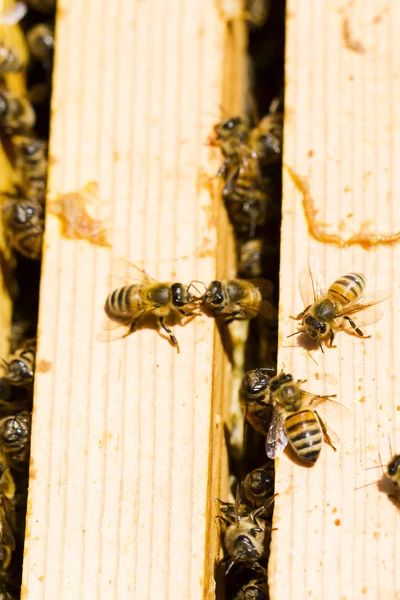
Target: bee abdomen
119	304
348	288
304	435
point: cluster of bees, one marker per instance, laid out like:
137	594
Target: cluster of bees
23	129
23	208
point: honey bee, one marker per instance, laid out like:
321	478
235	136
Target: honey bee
295	420
127	306
245	536
232	299
24	226
246	200
255	398
32	163
251	254
266	138
232	136
258	485
20	366
256	589
9	61
7	525
333	310
15	439
40	41
16	113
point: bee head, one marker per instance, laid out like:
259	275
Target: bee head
244	549
315	329
257	381
214	294
225	128
393	466
279	380
180	295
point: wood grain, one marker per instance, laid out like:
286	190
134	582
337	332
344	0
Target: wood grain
127	449
334	538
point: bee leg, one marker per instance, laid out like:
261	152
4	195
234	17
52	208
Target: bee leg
356	329
324	431
301	315
173	339
331	338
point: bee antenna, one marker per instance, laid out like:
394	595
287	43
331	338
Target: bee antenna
390	445
297	332
320	345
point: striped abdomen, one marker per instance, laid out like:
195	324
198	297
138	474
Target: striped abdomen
347	288
245	202
304	434
124	303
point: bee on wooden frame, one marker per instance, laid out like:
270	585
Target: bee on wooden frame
32	164
15	431
258	485
333	310
231	136
20	366
40	39
141	296
255	398
251	255
16	113
245	536
24	225
232	299
246	199
295	420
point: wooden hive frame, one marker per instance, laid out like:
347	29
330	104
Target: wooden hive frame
333	537
127	438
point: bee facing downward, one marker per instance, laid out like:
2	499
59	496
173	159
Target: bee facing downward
127	306
333	310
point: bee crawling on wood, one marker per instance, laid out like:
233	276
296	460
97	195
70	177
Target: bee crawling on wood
24	225
333	310
15	431
127	306
20	366
32	164
294	419
232	299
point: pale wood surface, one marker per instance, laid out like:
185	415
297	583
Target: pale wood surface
342	132
127	445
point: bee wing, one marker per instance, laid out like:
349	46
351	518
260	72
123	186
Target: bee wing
276	427
274	449
316	274
305	287
124	272
365	303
